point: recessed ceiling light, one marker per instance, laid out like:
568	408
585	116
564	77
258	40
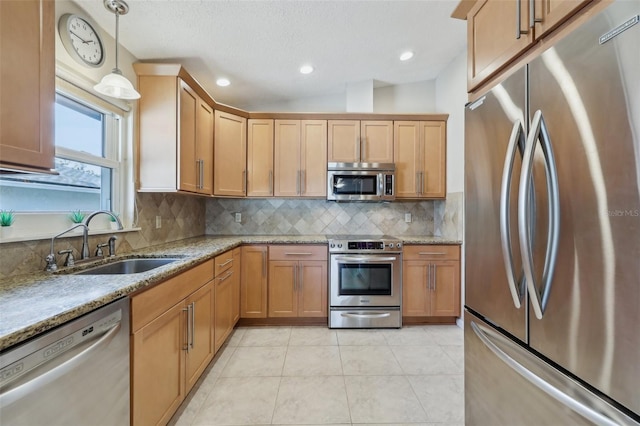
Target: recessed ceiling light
223	82
406	55
306	69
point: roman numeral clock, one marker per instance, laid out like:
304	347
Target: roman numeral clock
81	40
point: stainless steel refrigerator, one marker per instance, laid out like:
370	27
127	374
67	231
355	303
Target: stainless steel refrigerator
552	234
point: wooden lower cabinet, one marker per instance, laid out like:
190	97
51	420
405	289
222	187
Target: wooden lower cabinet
297	281
172	343
235	286
253	282
227	295
431	281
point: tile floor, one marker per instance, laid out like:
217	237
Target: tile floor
314	375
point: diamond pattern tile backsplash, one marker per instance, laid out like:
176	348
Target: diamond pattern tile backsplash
300	217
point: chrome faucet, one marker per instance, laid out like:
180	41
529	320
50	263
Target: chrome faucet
51	257
85	235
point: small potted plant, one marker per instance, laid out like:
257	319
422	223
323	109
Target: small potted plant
112	221
76	216
7	217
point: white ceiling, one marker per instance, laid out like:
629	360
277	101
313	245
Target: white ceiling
260	45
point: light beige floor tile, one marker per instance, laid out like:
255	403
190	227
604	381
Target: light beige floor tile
240	401
368	361
315	400
255	361
442	396
266	336
446	334
456	353
312	336
312	361
383	399
219	363
236	337
419	360
360	337
413	336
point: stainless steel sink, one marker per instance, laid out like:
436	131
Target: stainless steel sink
129	266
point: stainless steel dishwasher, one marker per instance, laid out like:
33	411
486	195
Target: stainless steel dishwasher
75	374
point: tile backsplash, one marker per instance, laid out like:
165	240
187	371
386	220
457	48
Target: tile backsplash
299	217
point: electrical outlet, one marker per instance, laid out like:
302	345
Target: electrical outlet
407	217
238	217
158	222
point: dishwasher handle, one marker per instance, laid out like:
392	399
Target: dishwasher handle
17	392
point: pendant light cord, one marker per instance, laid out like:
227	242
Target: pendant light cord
117	13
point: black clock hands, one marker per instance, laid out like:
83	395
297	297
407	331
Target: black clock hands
83	41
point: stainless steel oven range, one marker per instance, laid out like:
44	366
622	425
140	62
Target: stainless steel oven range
365	282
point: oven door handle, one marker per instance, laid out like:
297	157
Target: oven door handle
371	315
367	259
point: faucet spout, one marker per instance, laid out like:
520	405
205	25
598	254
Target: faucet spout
85	235
51	258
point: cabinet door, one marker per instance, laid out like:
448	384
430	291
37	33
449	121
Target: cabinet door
433	153
230	155
313	158
493	38
187	109
287	158
204	148
445	292
253	282
343	141
158	382
415	288
550	13
27	66
223	311
259	158
283	298
312	288
406	147
235	286
200	307
376	141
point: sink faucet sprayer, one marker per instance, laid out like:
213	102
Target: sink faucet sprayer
51	258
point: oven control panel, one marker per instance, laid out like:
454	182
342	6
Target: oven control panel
364	246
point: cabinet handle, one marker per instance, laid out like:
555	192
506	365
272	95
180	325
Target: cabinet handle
429	253
532	14
270	182
298	254
226	276
244	181
519	30
201	174
225	263
295	276
428	277
298	182
186	330
435	281
300	278
302	184
193	323
359	152
264	263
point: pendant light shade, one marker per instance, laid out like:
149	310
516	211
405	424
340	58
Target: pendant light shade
115	84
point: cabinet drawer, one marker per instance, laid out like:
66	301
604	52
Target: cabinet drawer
431	252
223	262
150	304
298	252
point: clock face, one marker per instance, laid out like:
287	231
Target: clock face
81	40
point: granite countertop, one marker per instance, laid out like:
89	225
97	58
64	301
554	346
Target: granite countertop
34	303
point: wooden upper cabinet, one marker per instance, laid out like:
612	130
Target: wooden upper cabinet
354	141
300	158
259	158
497	31
550	13
420	157
27	85
175	131
230	155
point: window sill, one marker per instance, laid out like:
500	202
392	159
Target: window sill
9	235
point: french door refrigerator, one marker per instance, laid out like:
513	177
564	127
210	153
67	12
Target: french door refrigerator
552	234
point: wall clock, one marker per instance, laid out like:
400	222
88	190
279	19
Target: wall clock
81	40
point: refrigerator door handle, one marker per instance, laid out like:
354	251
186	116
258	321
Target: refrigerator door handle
496	343
516	142
539	295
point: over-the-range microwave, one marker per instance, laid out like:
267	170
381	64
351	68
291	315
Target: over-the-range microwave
361	182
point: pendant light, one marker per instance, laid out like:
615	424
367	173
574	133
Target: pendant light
115	84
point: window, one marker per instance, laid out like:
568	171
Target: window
87	142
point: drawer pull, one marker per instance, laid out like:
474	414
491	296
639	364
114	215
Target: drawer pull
298	254
225	263
427	253
226	276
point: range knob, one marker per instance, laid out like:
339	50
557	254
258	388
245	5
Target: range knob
390	245
399	245
339	245
332	245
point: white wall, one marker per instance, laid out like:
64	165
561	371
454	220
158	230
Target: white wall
451	97
327	103
419	97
